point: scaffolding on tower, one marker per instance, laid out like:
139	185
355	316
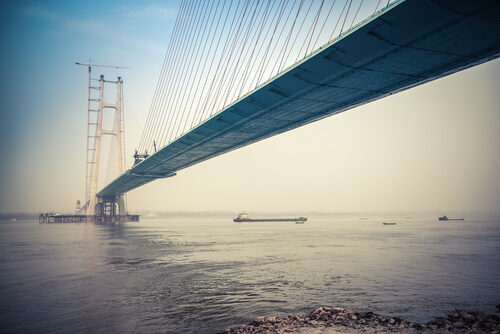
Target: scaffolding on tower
95	105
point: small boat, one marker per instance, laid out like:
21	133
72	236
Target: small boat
389	223
13	219
444	218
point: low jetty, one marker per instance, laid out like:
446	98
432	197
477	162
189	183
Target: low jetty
56	218
327	320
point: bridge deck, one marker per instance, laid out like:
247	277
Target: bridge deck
409	43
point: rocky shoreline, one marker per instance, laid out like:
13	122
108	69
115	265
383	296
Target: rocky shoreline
327	320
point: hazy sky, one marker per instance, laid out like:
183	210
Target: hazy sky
434	147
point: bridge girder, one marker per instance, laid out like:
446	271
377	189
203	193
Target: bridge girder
409	43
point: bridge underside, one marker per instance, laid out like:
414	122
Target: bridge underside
409	43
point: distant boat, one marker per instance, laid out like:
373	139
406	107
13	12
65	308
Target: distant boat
13	219
444	218
244	218
389	223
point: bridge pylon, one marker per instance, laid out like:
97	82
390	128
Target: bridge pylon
106	207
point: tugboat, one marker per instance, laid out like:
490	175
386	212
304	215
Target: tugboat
245	218
444	218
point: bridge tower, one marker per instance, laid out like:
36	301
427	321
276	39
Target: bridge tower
109	207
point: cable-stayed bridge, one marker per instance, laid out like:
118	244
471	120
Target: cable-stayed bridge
237	72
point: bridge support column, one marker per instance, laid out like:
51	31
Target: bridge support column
96	203
112	210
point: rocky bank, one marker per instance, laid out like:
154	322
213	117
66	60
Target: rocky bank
327	320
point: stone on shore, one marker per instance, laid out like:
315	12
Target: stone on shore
327	320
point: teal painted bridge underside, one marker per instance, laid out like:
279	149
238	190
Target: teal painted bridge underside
409	43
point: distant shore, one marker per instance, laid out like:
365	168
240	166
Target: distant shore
327	320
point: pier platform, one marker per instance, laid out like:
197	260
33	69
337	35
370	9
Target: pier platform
55	218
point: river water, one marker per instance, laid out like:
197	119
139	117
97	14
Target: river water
204	274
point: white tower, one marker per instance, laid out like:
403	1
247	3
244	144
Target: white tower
94	133
117	131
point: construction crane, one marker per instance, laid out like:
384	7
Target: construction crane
90	65
91	150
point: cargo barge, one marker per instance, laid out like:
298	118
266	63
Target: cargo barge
444	218
244	218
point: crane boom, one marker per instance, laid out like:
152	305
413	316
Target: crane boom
97	65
